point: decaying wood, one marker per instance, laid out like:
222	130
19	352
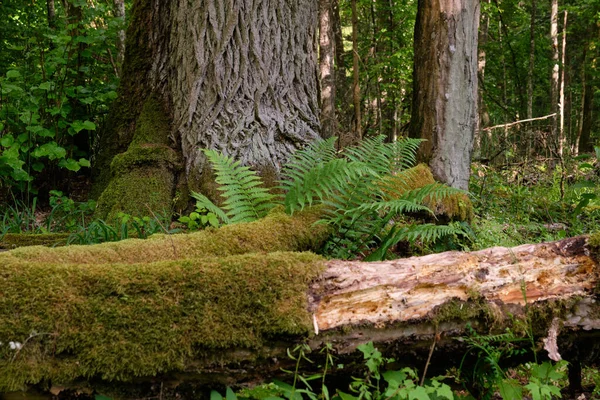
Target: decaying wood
409	290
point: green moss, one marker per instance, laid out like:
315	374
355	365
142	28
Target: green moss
149	154
276	232
152	126
120	321
143	178
456	310
454	207
136	193
14	240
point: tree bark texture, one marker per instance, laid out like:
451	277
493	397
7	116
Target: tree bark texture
243	78
238	76
327	69
445	86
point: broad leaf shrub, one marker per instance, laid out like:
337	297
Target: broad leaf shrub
368	211
55	86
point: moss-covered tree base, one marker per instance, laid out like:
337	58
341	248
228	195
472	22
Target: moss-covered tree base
144	177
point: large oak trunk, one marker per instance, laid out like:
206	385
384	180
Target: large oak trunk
445	86
239	76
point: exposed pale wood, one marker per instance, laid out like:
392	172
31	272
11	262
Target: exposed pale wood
410	289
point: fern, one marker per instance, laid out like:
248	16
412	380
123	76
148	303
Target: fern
362	204
245	199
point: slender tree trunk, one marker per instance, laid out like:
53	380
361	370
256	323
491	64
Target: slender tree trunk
531	60
585	125
554	84
120	14
51	13
356	82
327	69
374	56
483	118
445	86
561	101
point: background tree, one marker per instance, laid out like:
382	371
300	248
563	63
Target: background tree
445	86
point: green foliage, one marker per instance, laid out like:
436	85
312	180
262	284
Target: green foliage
377	384
125	226
525	205
487	375
56	83
363	209
245	199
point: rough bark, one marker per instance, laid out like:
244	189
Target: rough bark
236	76
445	86
483	117
327	69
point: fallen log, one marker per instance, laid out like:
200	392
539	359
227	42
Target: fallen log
230	319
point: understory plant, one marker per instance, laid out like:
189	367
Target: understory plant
376	384
363	191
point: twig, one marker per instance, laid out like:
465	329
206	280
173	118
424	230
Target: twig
164	229
518	122
435	339
31	336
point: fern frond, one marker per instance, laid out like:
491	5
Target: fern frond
204	202
385	158
245	199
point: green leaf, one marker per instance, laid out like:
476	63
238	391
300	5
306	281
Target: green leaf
214	395
418	393
230	395
444	391
7	140
46	86
346	396
69	164
51	150
101	397
510	390
13	73
37	166
84	162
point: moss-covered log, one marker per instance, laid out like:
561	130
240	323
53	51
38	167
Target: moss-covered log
230	318
277	232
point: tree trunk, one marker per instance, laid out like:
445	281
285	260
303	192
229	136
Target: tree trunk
51	13
327	69
238	77
120	14
479	147
356	83
531	60
445	86
554	84
561	102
